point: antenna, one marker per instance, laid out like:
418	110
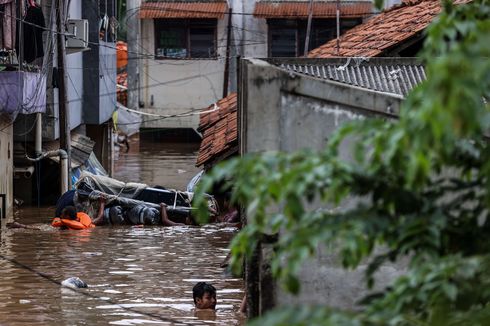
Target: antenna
338	27
308	27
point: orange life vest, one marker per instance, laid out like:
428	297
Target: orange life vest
83	221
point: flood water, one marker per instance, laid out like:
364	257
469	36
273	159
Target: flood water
136	276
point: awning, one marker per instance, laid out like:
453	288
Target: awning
187	9
321	9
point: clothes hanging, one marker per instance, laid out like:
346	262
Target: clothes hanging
33	34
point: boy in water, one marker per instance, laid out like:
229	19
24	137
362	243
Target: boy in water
204	295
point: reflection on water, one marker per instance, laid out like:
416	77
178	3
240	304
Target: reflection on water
170	165
135	275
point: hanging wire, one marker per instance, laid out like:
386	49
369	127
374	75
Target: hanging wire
90	295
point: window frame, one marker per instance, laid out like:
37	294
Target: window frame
185	24
300	26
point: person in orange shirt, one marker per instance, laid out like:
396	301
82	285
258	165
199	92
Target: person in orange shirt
72	220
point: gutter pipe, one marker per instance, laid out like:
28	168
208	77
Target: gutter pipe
64	165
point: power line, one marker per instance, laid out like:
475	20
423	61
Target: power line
90	295
167	9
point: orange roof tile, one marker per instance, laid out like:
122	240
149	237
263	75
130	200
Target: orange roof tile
383	31
321	9
220	131
183	9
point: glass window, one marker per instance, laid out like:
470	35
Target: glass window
183	38
283	42
202	42
287	36
171	43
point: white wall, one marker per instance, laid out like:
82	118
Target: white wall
74	65
249	32
6	165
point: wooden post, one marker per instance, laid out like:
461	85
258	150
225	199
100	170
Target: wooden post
65	136
338	26
308	27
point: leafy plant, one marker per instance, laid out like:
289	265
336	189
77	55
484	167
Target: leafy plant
424	181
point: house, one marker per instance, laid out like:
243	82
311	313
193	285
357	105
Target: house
287	23
292	104
395	32
91	95
22	91
189	49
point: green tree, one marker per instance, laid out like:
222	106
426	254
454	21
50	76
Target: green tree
426	176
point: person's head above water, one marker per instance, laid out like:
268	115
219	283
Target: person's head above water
69	212
204	296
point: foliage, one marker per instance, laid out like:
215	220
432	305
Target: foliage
424	182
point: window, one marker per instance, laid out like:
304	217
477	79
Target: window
185	38
287	36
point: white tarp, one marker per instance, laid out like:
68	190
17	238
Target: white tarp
127	122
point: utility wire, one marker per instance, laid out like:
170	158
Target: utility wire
90	295
175	10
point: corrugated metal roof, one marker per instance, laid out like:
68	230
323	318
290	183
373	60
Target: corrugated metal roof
397	76
220	131
183	9
321	9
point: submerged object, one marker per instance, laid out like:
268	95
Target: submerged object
74	283
179	203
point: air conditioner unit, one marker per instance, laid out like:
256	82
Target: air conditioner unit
79	29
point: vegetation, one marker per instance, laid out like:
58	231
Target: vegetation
425	181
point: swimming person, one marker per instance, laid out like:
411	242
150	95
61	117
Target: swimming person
204	295
72	220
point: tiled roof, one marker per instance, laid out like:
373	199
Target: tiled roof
184	9
321	9
383	31
388	75
219	130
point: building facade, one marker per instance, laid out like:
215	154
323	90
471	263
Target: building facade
188	50
90	87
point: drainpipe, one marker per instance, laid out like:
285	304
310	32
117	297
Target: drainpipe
38	150
64	165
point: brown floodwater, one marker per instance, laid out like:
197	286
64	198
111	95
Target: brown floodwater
136	276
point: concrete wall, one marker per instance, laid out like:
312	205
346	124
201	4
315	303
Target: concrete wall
6	169
99	73
287	112
74	69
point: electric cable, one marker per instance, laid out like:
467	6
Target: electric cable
90	295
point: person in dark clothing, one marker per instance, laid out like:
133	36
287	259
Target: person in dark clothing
137	215
65	200
141	214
